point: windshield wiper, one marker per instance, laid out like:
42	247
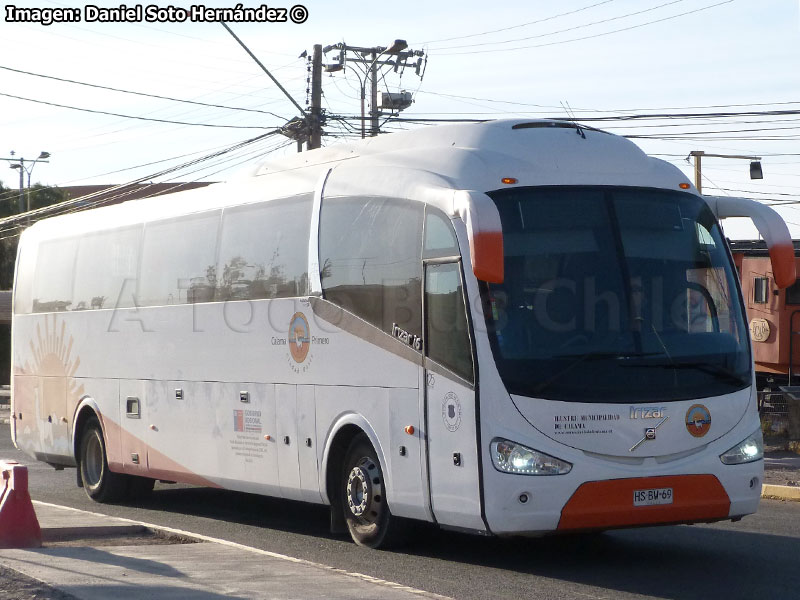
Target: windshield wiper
705	367
590	356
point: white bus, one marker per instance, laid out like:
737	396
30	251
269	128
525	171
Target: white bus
507	328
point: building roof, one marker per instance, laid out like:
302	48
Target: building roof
108	194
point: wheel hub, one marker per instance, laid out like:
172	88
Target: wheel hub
93	461
364	490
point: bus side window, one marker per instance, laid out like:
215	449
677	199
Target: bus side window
264	251
23	285
370	260
52	283
106	269
446	332
440	239
179	260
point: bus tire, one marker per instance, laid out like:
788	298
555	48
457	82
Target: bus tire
100	483
364	503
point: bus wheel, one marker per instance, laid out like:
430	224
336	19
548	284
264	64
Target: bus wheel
366	511
99	482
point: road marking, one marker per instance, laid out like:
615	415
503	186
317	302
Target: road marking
300	561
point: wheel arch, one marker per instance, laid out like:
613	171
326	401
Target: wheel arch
337	440
86	409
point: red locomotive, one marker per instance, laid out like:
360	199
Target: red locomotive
773	316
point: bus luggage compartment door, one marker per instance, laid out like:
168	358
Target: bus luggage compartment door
287	442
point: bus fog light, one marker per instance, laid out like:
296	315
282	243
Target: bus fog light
510	457
748	450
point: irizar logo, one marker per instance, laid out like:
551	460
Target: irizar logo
648	412
414	341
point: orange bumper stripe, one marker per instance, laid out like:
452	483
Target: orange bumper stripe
608	504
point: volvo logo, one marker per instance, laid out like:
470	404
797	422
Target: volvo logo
649	434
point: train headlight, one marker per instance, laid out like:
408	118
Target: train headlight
748	450
510	457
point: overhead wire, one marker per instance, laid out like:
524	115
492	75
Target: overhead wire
103	112
471	35
542	35
78	203
589	37
135	93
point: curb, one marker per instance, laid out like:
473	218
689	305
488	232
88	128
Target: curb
57	534
133	525
780	492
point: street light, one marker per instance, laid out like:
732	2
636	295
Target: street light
755	166
20	164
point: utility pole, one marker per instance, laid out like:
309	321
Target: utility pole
297	128
315	116
373	96
370	62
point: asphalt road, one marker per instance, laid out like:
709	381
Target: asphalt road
755	558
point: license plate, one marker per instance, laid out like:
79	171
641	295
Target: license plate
652	497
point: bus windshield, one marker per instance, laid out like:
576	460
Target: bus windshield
615	294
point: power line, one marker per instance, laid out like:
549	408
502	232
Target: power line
102	112
463	37
541	35
80	203
263	68
146	95
589	37
608	110
711	115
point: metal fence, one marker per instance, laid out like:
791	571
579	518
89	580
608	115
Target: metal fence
774	413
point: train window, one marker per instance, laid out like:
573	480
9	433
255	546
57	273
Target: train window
793	293
760	289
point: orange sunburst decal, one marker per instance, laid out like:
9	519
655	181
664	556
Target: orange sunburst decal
51	356
46	392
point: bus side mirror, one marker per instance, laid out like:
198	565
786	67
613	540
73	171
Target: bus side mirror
485	234
772	228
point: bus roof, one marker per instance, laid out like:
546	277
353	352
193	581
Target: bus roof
427	164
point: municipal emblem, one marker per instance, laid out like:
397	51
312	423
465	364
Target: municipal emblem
451	412
299	337
698	420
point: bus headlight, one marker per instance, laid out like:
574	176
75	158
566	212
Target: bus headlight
749	450
510	457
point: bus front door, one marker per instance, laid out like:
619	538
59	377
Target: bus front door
451	416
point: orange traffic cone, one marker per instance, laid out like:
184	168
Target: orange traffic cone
19	527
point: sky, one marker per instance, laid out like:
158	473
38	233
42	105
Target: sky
585	59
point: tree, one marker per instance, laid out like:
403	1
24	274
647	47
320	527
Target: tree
40	196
